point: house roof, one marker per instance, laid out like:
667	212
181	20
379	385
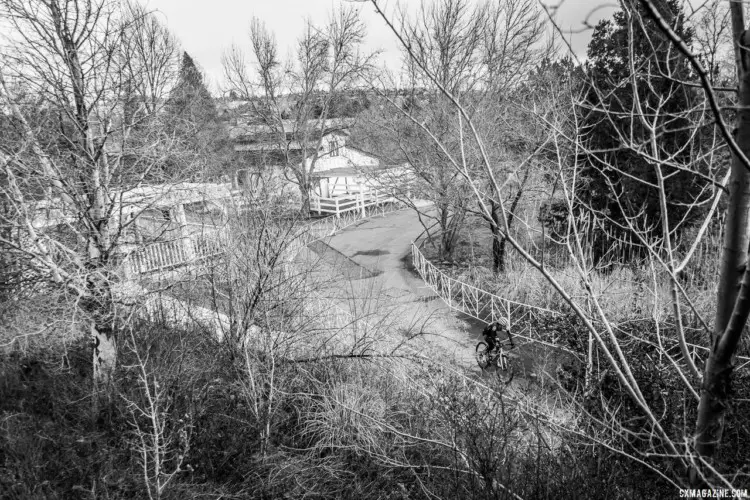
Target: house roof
249	130
166	195
365	152
265	146
353	171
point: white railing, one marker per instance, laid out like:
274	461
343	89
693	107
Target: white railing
161	255
486	306
348	203
329	226
205	242
155	256
468	299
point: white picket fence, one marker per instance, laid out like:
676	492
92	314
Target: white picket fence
468	299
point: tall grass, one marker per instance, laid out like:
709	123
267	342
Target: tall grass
627	287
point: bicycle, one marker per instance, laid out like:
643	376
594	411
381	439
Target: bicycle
498	358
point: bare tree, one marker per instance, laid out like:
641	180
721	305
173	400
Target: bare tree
150	58
483	54
732	301
293	101
713	32
649	54
65	84
160	441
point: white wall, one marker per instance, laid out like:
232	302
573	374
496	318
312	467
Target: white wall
358	158
346	157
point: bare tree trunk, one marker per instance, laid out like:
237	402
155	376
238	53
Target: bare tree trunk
450	225
103	334
98	283
499	242
734	281
304	192
446	246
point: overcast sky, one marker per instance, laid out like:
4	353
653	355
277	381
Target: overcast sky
207	28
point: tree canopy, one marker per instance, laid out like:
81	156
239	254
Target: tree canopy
634	86
190	99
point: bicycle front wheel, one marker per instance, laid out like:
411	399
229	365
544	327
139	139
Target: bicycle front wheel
504	369
483	358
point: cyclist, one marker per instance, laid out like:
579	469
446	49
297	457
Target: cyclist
492	331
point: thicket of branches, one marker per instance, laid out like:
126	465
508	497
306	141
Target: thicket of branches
294	101
247	378
637	140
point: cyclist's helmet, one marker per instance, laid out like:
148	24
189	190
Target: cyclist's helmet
501	325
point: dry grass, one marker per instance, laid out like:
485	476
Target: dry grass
625	291
30	322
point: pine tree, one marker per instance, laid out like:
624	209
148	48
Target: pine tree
618	178
190	100
193	120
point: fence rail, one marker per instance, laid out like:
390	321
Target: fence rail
160	255
356	201
210	242
468	299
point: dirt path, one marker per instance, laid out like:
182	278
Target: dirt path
373	255
376	253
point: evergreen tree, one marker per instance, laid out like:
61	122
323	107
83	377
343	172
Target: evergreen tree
618	178
193	119
190	100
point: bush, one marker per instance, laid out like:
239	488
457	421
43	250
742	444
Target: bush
341	428
553	215
51	445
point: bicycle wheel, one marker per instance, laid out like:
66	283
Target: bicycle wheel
504	369
483	359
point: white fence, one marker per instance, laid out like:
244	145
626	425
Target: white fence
357	201
161	255
468	299
203	242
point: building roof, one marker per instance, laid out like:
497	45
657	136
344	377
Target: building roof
52	212
265	146
251	130
166	195
353	171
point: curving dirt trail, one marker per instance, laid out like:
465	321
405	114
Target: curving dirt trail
374	256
